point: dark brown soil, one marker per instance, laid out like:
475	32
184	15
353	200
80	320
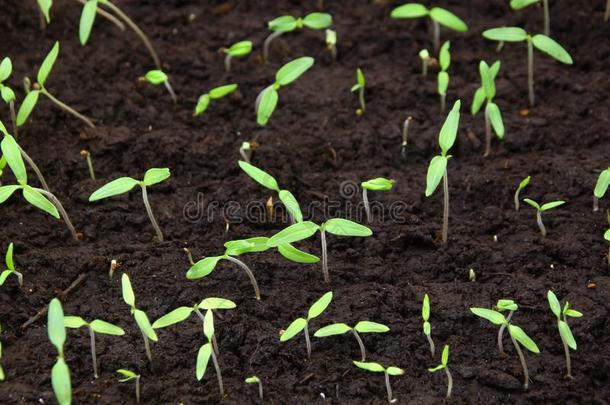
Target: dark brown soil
563	143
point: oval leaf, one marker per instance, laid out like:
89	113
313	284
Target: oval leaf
9	257
12	154
47	64
371	327
603	181
332	330
202	104
566	335
106	328
436	171
55	325
127	291
74	322
298	256
260	176
6	67
345	227
378	184
477	101
395	371
222	91
522	338
519	4
445	355
294	233
444	57
551	205
6	192
39	201
26	107
87	18
448	19
488	83
425	308
156	77
240	49
495	117
144	324
154	176
203	267
554	303
374	367
285	23
507	34
319	306
266	106
291	204
442	82
551	48
318	21
208	324
216	303
449	130
60	380
203	357
293	70
173	317
492	316
45	7
410	10
119	186
293	329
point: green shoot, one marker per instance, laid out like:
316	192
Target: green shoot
540	209
216	93
87	155
302	324
607	237
565	332
255	380
437	16
45	8
7	94
443	366
603	181
157	77
519	4
331	43
10	267
237	50
38	88
360	327
113	266
245	150
542	42
517	335
148	333
405	136
472	276
288	23
493	116
206	351
424	55
522	184
376	184
444	60
359	87
2	374
95	326
425	314
267	99
501	306
129	375
60	374
437	169
123	185
378	368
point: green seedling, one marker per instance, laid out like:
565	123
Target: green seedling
129	375
427	328
359	87
303	230
205	352
216	93
10	267
360	327
378	368
517	336
522	184
245	150
287	23
542	42
444	60
437	169
438	16
520	4
158	77
123	185
239	49
331	43
87	155
2	374
424	55
493	116
255	380
95	326
38	88
7	94
267	99
502	306
376	184
113	266
562	314
603	181
540	209
148	333
302	324
60	374
443	366
472	276
405	136
607	237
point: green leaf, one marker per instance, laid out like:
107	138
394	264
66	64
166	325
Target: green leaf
551	205
506	305
525	182
436	171
332	330
106	328
291	204
425	308
494	69
55	325
603	181
345	227
128	297
319	306
370	366
331	37
606	234
489	314
566	334
378	184
437	368
445	356
360	78
252	380
203	267
449	130
427	328
266	106
74	322
47	64
6	68
155	175
60	380
144	324
26	107
444	57
318	21
261	177
551	48
573	313
119	186
409	10
477	101
9	257
203	357
296	255
442	82
39	201
6	192
448	19
519	4
128	374
202	104
532	203
506	34
285	23
173	317
554	303
395	371
4	275
495	117
241	246
216	303
371	327
45	7
293	233
240	49
208	324
156	77
522	338
87	18
293	70
293	329
222	91
7	94
488	83
12	154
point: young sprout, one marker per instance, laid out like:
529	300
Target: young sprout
501	306
424	55
30	100
87	155
360	327
493	116
603	181
302	324
444	60
425	314
540	209
157	77
542	42
472	276
216	93
10	267
359	87
376	184
113	266
129	375
378	368
148	333
437	16
267	99
245	150
206	351
95	326
2	374
237	50
331	43
443	366
437	169
524	183
519	4
607	237
517	336
405	134
7	94
255	380
288	23
123	185
60	374
564	329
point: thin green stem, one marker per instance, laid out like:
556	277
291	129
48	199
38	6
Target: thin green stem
361	99
365	201
501	332
243	265
547	18
526	375
360	343
11	106
540	224
449	382
445	233
566	350
147	346
443	102
93	355
424	67
34	167
530	71
150	214
307	341
436	35
487	132
61	210
517	199
218	375
67	108
138	389
228	63
169	88
267	43
607	13
431	344
324	256
388	387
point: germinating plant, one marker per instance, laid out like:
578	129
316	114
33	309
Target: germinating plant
493	116
565	332
239	49
443	366
331	43
405	135
87	155
541	42
427	328
60	374
378	368
540	209
302	324
444	60
216	93
424	55
607	237
266	101
255	380
245	150
376	184
10	267
359	87
360	327
287	23
123	185
519	4
7	94
148	333
158	77
2	374
603	181
504	305
206	351
129	375
522	184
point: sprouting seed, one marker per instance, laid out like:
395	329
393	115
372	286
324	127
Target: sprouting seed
157	77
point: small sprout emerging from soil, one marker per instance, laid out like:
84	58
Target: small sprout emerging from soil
113	266
87	155
437	170
565	332
444	60
129	375
378	368
267	99
148	333
45	7
424	55
542	42
216	93
302	324
95	326
2	374
376	184
607	237
519	4
123	185
245	150
425	314
540	209
158	77
30	100
10	267
522	184
359	87
288	23
603	181
405	136
360	327
331	43
493	116
206	351
239	49
443	366
7	94
60	374
472	276
255	380
437	16
502	306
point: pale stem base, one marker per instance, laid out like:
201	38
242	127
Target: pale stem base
307	340
547	18
449	382
37	171
218	375
19	278
501	333
153	221
333	52
147	346
228	63
436	35
388	388
367	208
424	67
93	355
90	166
595	204
68	109
241	264
566	350
61	210
260	389
443	102
517	199
169	88
267	43
445	234
487	133
530	72
324	256
360	343
361	100
526	375
431	343
245	154
540	224
138	389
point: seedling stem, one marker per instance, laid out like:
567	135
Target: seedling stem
445	233
267	43
526	375
61	210
150	214
501	333
67	108
530	72
243	265
87	155
324	256
405	134
360	343
34	167
436	34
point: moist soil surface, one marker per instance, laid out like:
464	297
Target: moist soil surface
317	147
